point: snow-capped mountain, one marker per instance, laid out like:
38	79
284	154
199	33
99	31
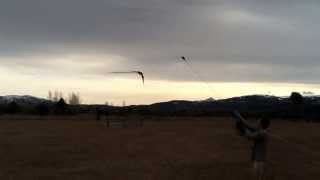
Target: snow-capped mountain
23	100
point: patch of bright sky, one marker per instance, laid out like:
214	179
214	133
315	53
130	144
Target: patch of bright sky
114	89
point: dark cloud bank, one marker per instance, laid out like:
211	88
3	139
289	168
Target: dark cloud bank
240	40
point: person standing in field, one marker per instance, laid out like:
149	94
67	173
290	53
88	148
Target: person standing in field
259	135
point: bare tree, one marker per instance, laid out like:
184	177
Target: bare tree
61	95
55	96
74	98
50	95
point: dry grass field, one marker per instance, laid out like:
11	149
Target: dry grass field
164	148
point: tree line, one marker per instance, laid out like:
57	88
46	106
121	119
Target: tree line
295	107
72	98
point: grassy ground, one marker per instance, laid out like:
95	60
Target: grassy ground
164	148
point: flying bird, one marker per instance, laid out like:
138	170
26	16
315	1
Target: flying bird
131	72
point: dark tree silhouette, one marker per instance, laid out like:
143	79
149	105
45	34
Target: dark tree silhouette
296	98
297	104
13	108
42	109
61	107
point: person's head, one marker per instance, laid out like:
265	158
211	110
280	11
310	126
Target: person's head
264	123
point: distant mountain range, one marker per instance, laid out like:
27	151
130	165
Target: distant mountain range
263	99
251	103
242	100
23	100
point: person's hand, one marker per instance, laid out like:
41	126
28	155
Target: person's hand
240	128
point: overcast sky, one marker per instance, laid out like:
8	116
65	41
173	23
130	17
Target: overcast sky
71	45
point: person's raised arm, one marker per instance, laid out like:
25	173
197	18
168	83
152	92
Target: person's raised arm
237	116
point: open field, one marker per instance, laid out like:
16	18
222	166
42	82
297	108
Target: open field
164	148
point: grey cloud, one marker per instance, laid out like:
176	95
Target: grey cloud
273	40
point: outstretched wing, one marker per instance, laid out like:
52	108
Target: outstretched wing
131	72
142	76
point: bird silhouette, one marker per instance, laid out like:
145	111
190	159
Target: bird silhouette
131	72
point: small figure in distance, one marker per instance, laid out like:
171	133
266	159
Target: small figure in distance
98	114
259	135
